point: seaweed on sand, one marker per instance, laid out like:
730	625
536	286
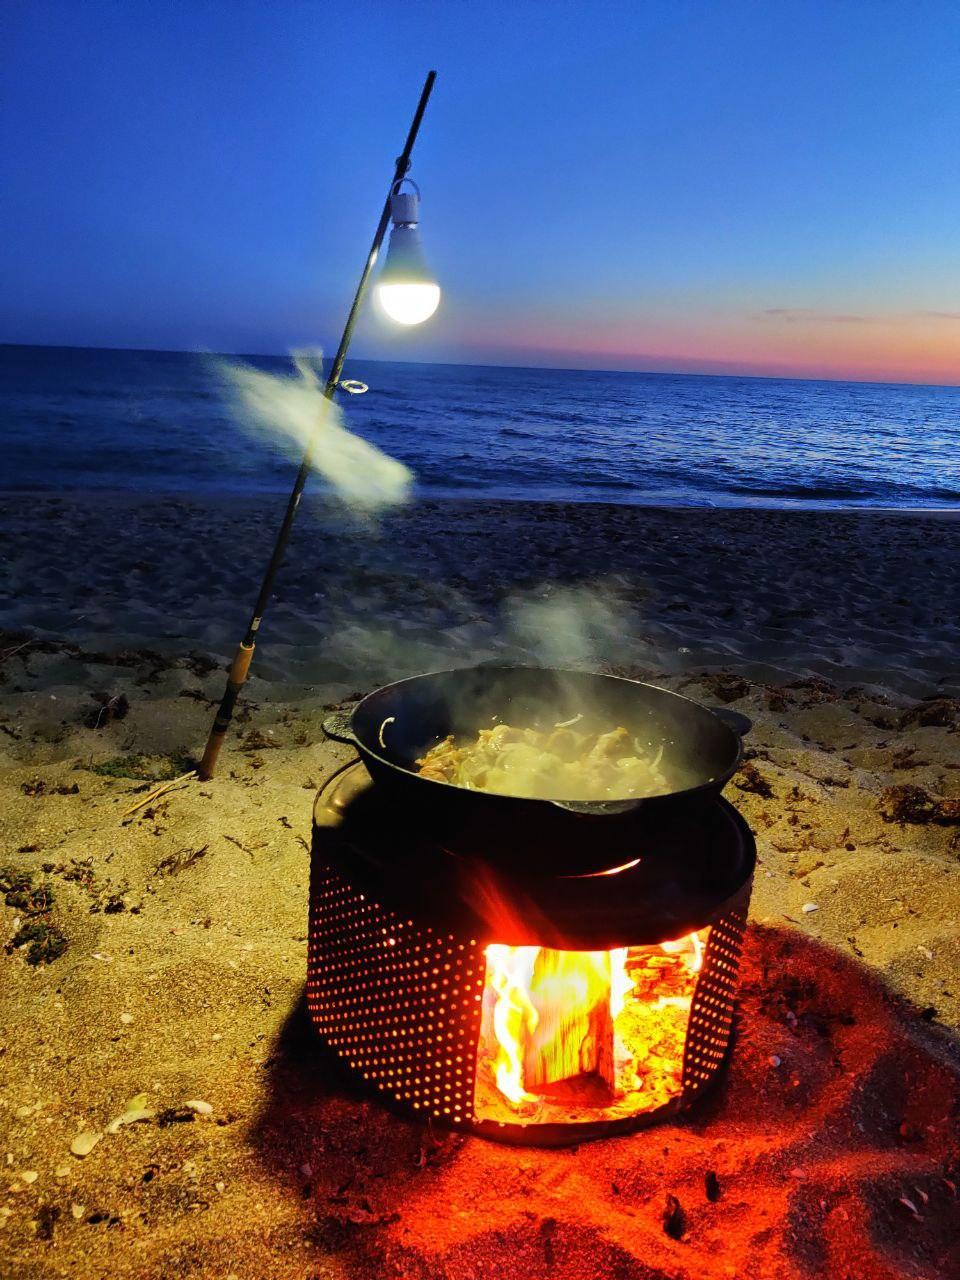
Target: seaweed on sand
44	942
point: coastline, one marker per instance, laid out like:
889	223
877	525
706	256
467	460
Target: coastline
247	496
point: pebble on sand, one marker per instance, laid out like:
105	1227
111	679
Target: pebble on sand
135	1111
199	1106
29	1175
808	907
84	1142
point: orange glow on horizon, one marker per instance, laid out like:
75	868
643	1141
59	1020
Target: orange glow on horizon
780	342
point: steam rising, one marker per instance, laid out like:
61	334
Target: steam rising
581	627
294	412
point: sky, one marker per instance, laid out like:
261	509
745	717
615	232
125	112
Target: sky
718	187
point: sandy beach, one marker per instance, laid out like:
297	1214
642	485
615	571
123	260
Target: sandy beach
163	953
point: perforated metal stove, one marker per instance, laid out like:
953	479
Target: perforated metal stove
526	1009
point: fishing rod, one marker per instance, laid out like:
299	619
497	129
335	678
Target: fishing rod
240	666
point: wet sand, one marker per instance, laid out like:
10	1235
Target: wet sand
183	926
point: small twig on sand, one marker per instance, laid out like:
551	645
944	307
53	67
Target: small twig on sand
157	792
8	653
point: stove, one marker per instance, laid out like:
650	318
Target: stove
529	1008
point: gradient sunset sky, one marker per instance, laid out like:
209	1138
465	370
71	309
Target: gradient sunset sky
764	188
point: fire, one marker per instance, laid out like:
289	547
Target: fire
510	974
585	1032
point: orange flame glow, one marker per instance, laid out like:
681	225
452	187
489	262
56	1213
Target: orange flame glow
607	1027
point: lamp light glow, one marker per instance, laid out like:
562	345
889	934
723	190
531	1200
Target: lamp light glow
407	291
409	303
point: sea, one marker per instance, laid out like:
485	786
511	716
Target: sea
159	422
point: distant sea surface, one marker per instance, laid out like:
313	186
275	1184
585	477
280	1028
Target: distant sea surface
77	419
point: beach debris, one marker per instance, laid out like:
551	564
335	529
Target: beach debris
254	740
933	713
175	1115
174	863
47	1218
126	1018
109	708
908	1204
84	1142
711	1186
157	792
749	778
14	879
134	1112
809	907
906	803
724	685
29	1175
199	1106
674	1219
44	942
20	892
77	1210
8	653
141	768
31	900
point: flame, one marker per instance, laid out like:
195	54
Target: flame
510	974
690	947
615	1018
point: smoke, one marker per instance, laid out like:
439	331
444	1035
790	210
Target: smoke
580	626
294	412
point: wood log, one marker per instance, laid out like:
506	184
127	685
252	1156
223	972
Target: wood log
574	1034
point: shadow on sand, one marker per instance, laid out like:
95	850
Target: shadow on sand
832	1141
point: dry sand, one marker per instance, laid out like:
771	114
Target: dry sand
834	1136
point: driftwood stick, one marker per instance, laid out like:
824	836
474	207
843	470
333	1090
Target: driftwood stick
157	792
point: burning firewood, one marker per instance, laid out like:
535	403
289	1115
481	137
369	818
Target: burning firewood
573	1037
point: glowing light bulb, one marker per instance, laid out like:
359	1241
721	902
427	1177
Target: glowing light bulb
409	303
407	290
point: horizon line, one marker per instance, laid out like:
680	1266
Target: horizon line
463	364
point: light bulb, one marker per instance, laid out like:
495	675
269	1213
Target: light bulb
407	290
410	303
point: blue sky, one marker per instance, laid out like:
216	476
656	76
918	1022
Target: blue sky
716	186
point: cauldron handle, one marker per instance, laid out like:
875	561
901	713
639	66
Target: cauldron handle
735	720
338	726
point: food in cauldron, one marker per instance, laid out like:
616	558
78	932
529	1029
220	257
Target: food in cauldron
554	764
